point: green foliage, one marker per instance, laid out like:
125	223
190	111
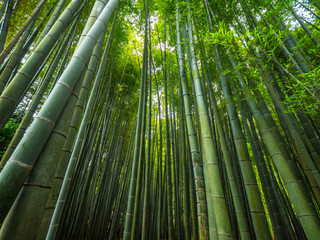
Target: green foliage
6	135
303	93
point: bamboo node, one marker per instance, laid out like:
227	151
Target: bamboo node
200	190
92	37
217	197
82	60
49	35
207	137
40	53
212	163
197	164
198	178
104	24
307	215
213	229
293	181
85	87
36	185
59	133
202	214
21	164
11	100
201	114
47	120
225	235
74	94
66	85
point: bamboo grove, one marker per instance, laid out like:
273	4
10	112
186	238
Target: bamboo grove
148	119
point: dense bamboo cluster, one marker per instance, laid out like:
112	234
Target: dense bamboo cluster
160	119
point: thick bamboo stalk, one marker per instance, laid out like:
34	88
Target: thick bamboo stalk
19	166
52	20
74	156
16	38
210	161
9	8
137	161
9	98
297	192
14	58
27	211
36	100
73	128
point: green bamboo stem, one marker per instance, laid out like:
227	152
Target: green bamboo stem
185	189
196	159
252	191
297	193
136	156
239	204
74	156
146	210
36	100
4	24
280	223
17	87
14	58
38	185
3	8
51	21
168	156
124	176
176	165
209	155
73	128
305	158
304	26
292	45
21	165
16	38
316	4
